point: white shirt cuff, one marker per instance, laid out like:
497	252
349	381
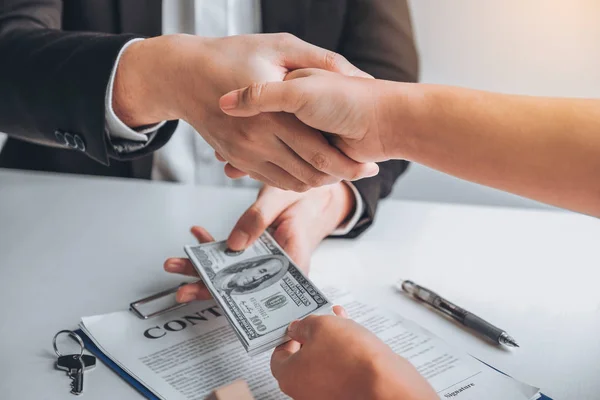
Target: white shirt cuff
346	227
117	128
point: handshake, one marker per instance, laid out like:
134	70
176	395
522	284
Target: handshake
284	112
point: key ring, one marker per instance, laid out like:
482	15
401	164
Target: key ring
74	336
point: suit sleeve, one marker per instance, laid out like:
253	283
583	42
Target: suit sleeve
53	83
378	38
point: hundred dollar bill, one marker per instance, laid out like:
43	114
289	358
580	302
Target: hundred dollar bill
260	290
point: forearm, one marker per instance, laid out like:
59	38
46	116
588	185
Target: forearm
541	148
379	40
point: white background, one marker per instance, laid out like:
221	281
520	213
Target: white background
534	47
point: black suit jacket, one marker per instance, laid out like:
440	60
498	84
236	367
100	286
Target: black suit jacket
57	57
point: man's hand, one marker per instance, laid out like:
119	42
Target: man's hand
183	266
300	221
353	109
332	357
183	77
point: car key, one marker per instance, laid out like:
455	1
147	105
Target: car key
75	365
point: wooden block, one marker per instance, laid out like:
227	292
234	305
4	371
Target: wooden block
237	390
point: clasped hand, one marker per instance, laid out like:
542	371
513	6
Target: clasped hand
191	75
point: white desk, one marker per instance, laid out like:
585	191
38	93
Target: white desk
69	247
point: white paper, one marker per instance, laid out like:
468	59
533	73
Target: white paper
190	351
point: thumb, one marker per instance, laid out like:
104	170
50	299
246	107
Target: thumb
340	311
266	209
302	330
281	356
262	97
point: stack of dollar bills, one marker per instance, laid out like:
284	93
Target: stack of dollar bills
260	290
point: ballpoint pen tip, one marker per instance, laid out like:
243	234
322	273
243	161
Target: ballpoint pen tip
508	340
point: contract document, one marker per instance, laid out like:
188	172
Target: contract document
187	353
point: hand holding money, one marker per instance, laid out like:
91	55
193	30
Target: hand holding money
260	290
300	221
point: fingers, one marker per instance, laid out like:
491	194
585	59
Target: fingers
280	356
261	178
181	266
269	205
305	141
202	234
233	173
340	311
297	54
306	72
220	157
284	162
287	235
303	330
264	97
312	146
308	165
230	171
276	162
280	178
192	291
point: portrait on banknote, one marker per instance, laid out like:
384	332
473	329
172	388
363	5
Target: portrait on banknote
251	275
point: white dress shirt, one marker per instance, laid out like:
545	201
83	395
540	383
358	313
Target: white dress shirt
187	158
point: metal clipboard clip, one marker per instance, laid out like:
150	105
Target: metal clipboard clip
135	306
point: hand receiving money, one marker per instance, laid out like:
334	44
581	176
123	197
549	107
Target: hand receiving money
357	365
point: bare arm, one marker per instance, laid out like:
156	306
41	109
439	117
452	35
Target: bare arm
542	148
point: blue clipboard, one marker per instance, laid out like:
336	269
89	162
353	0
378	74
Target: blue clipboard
543	396
92	348
148	394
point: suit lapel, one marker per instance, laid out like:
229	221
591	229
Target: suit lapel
319	22
285	16
143	17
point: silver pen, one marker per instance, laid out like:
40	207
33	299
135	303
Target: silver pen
459	314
